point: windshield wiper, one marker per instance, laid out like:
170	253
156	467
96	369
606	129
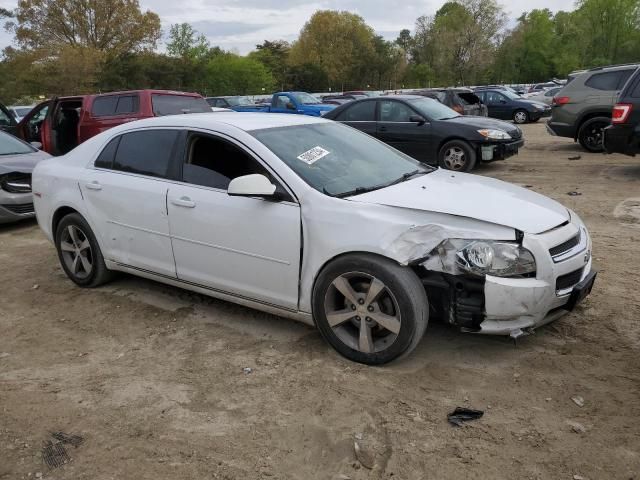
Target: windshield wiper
355	191
406	176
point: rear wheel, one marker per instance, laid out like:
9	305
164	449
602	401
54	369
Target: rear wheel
590	134
457	155
520	116
79	253
370	309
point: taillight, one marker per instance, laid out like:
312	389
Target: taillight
561	100
621	112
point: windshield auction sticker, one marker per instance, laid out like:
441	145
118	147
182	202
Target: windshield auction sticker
312	156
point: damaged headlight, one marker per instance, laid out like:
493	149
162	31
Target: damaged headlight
494	134
486	257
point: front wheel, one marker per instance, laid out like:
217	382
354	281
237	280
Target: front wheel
520	117
590	134
79	253
370	309
457	155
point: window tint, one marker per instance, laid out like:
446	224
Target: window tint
359	112
608	80
127	104
282	101
636	91
214	162
5	120
392	111
105	159
178	104
494	97
146	152
103	106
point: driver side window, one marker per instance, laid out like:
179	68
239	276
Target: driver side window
495	97
214	162
393	111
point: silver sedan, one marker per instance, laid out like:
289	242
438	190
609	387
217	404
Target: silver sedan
17	160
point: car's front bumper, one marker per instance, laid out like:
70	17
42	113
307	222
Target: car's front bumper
15	206
514	305
500	151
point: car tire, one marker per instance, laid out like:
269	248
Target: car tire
590	134
520	117
457	155
79	252
375	330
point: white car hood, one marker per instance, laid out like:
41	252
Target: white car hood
472	196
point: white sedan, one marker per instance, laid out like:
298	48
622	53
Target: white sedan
309	219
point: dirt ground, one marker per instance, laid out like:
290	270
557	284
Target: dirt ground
152	376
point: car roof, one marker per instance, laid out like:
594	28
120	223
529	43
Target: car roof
241	120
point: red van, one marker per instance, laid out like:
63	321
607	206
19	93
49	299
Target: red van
60	124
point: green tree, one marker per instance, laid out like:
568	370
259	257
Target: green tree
340	43
230	74
113	26
274	55
187	43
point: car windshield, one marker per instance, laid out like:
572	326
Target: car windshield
510	95
432	109
305	98
10	145
339	160
177	104
240	101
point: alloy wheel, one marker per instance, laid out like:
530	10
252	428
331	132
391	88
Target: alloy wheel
455	158
593	136
76	251
362	312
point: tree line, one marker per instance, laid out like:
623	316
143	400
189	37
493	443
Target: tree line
65	47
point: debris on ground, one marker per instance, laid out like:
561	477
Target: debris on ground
573	194
461	415
75	440
577	157
4	354
363	455
54	454
578	400
576	427
35	287
579	477
247	370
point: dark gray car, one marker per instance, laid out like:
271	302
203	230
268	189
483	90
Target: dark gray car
583	107
17	160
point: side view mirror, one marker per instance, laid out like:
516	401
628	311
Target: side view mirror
37	145
291	106
419	119
254	185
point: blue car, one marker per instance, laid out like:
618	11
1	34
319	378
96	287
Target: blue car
506	105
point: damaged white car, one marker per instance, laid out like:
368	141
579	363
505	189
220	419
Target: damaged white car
309	219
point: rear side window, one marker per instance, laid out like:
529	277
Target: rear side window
127	104
178	104
636	90
147	152
105	159
359	112
104	106
609	81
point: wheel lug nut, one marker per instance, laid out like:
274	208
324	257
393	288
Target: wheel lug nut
370	308
358	318
361	302
368	319
353	307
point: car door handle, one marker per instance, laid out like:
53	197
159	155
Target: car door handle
185	202
93	185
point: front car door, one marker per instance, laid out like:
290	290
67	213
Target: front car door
395	128
244	246
126	191
497	104
360	115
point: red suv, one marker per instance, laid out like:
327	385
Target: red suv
62	123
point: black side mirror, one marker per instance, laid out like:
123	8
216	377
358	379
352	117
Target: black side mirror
291	106
419	119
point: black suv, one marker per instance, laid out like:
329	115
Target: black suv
506	105
623	136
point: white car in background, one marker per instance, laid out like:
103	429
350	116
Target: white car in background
546	96
309	219
20	111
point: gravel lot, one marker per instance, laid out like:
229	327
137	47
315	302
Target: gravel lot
152	376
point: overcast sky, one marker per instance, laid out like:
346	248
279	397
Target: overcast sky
241	24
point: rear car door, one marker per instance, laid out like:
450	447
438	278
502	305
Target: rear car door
360	115
395	128
125	192
244	246
497	105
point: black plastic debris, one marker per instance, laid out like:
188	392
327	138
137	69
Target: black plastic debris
75	440
54	455
461	415
573	194
577	157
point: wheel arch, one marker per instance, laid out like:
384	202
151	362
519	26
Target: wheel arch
59	214
442	143
585	117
